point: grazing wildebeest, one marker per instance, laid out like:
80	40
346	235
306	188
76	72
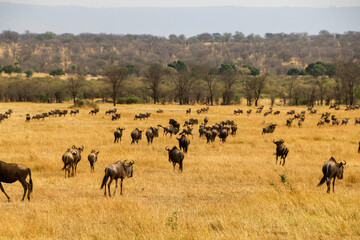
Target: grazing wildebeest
291	112
27	117
74	111
176	156
187	131
289	122
276	112
233	129
345	121
169	129
151	133
184	143
281	151
136	135
116	171
68	160
357	121
269	129
320	123
77	155
115	116
238	111
174	123
92	159
111	111
94	111
12	172
191	122
188	111
248	111
332	169
299	124
160	111
206	120
118	134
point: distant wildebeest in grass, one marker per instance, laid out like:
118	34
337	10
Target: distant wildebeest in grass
27	117
92	159
357	121
188	111
223	134
206	120
76	151
160	111
184	143
115	116
281	151
320	123
136	135
248	111
300	124
111	111
277	112
74	111
170	129
269	129
238	111
332	169
291	112
176	156
94	111
151	133
191	121
118	134
174	123
345	121
115	171
233	129
187	131
289	122
12	172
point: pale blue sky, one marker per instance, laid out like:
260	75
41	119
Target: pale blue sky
193	3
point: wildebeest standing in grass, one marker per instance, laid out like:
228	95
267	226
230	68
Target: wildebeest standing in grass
281	151
151	133
184	143
76	151
269	129
92	159
136	135
68	160
115	171
176	156
332	169
12	172
118	134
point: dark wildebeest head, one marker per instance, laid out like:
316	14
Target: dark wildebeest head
92	159
11	172
116	171
332	169
176	156
281	151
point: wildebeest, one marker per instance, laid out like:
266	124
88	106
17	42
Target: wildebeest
238	111
94	111
118	134
136	135
332	169
151	133
320	123
76	151
206	120
191	122
176	156
170	129
289	122
269	129
233	129
223	134
345	121
74	111
115	116
291	112
110	111
92	159
188	111
281	151
115	171
357	121
12	172
160	111
276	112
174	123
187	131
28	117
248	111
68	160
299	123
184	143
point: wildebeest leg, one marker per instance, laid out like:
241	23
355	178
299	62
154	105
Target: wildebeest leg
180	166
25	186
109	186
283	160
276	159
334	185
174	163
3	190
328	185
121	186
115	186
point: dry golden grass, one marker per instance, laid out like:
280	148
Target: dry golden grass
229	191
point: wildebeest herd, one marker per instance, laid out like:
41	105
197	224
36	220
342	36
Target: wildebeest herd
11	172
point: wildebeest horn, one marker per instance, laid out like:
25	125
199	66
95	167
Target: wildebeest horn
274	141
97	152
73	146
281	140
125	161
344	163
166	148
82	147
131	162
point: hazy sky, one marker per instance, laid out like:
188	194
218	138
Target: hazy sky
192	3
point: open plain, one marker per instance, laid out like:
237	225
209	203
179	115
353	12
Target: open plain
231	190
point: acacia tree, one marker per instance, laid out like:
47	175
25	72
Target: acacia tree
348	73
152	76
228	73
209	75
115	76
254	86
74	85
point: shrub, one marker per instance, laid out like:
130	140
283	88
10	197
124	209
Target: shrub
129	100
84	104
57	72
29	72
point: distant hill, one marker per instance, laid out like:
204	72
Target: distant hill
166	21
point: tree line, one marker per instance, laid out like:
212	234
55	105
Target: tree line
178	82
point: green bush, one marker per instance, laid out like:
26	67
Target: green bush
129	100
29	72
84	104
57	72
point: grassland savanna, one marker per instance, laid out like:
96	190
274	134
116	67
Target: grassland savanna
231	190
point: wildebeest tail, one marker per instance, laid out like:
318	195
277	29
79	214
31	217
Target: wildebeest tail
322	180
106	177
